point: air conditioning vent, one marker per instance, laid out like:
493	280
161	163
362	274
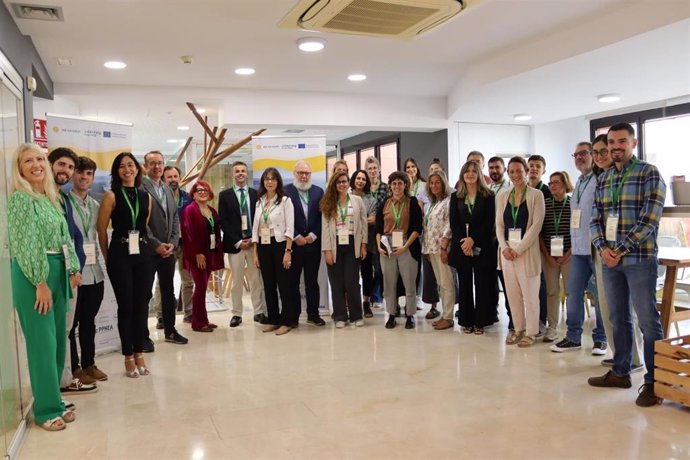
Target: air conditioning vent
39	12
387	18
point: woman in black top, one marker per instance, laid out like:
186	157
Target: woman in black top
128	258
472	216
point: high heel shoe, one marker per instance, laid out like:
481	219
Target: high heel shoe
134	373
141	365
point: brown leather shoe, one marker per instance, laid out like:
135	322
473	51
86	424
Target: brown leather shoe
610	380
269	328
83	376
205	328
96	373
443	324
282	330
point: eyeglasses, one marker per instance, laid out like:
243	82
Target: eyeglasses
342	182
397	183
303	173
555	182
580	153
600	153
202	191
270	179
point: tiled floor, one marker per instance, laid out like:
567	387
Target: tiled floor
322	393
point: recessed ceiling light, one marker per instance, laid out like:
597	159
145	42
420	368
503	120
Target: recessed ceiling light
245	71
116	65
173	141
522	117
357	77
183	128
612	97
201	110
64	61
311	44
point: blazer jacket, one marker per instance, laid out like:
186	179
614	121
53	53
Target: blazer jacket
196	240
529	245
231	217
311	223
415	225
161	229
329	240
74	233
482	231
281	218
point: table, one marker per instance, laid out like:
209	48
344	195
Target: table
672	259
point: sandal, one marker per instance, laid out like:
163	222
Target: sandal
433	313
141	364
468	330
206	328
54	424
478	331
514	337
134	373
69	416
526	341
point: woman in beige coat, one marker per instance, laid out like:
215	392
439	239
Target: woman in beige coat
344	245
519	218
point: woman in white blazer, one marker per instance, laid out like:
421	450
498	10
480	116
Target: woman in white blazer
344	245
519	218
272	232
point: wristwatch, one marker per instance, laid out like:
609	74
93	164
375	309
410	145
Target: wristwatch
288	249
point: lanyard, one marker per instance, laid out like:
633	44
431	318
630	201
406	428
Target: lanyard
581	188
343	211
470	205
616	192
397	213
85	219
557	221
304	197
500	186
515	209
540	186
428	213
135	210
416	187
242	198
211	221
265	214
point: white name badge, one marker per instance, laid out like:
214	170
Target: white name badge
557	243
343	236
575	216
213	242
245	223
133	241
397	238
514	235
65	253
90	251
265	235
611	227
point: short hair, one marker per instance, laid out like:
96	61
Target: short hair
497	159
436	161
372	160
586	144
367	186
399	175
85	164
237	163
201	183
61	152
153	152
565	177
600	138
340	162
476	152
115	181
301	163
622	127
536	158
521	160
169	167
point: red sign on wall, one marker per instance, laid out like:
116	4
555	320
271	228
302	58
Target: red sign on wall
40	133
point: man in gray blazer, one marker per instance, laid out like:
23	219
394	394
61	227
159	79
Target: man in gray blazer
163	233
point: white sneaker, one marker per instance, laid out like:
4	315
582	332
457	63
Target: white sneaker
359	323
377	305
340	324
550	335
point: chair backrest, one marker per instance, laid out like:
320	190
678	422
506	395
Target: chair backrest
666	241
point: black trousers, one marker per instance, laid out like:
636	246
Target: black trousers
499	273
478	308
89	298
165	269
131	278
429	283
306	258
542	299
344	278
277	279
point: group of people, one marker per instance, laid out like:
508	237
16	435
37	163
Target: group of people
455	243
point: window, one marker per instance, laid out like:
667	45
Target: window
351	160
388	156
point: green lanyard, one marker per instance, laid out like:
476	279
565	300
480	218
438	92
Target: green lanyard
135	210
416	187
616	192
500	186
540	186
343	211
85	219
581	188
265	214
179	199
428	213
397	213
557	221
304	197
515	209
242	198
211	221
470	205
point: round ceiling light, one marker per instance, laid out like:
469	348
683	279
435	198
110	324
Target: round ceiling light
173	141
115	65
311	44
522	117
612	97
183	128
357	77
245	71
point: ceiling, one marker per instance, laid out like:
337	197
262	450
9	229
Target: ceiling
493	60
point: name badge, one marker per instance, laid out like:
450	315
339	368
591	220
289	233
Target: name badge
90	251
611	227
397	238
245	223
213	241
65	253
575	218
265	235
557	243
514	235
133	241
343	236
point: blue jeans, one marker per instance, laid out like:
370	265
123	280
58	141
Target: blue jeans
623	283
581	271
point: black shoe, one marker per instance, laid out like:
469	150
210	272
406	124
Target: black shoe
236	321
646	396
296	325
409	323
176	338
148	346
159	324
260	318
390	324
316	321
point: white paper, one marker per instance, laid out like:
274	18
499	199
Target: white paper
133	241
611	228
397	238
575	216
245	223
213	241
557	243
265	235
514	235
90	251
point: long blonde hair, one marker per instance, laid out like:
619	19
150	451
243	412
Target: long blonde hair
482	188
20	183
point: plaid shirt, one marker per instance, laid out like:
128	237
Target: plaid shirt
639	210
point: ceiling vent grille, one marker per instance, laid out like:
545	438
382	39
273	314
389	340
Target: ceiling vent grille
405	19
39	12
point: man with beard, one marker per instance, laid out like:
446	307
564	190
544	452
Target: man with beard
171	177
306	249
500	184
62	162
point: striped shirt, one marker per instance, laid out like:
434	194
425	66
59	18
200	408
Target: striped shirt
556	211
639	209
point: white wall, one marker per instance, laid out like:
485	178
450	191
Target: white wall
556	141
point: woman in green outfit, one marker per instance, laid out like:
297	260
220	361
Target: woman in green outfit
44	269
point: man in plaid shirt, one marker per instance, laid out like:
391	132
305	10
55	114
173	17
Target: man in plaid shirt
628	203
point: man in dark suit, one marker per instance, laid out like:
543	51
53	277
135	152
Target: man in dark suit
163	234
236	207
306	250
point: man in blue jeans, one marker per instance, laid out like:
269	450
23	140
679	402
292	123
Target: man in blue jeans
581	264
628	203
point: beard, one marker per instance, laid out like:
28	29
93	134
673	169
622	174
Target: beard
302	186
61	179
174	185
